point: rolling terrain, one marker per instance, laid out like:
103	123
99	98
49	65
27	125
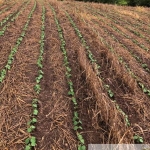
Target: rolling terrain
73	74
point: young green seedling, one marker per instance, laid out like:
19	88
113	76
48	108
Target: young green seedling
14	50
31	141
76	121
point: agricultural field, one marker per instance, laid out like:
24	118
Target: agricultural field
73	74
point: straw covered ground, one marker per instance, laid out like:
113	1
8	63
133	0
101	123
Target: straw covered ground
73	74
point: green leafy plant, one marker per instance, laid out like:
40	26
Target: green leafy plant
14	16
38	79
109	91
81	147
30	142
93	61
113	19
14	50
144	89
31	128
76	121
138	139
139	60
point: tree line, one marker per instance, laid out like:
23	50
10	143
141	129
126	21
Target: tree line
124	2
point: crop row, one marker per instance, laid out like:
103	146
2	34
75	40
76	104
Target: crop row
111	95
139	22
137	58
7	8
144	65
30	142
132	29
137	25
76	120
93	62
2	32
145	89
130	38
118	30
9	16
7	67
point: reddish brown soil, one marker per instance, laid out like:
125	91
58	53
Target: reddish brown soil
12	10
17	90
111	74
83	83
54	127
4	5
101	120
11	34
124	53
130	15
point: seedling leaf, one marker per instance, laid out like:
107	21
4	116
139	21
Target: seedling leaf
33	141
35	112
81	147
28	147
34	120
27	141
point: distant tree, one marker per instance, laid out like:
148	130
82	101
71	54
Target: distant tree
124	2
139	2
144	3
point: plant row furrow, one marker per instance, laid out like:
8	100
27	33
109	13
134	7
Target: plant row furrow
130	29
7	67
136	26
93	62
2	32
138	21
4	21
130	38
5	9
145	89
118	30
137	58
107	87
30	142
76	120
144	65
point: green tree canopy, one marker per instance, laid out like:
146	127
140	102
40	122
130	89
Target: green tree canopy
124	2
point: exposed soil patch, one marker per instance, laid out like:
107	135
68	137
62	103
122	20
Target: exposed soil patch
8	41
110	72
54	128
102	121
17	92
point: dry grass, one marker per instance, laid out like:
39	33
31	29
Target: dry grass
128	13
140	9
1	2
134	98
101	120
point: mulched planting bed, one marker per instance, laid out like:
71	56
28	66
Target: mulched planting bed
87	91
